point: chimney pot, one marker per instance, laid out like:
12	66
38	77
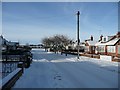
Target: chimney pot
91	38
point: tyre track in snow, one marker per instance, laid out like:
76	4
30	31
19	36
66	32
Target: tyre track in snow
97	72
103	78
87	77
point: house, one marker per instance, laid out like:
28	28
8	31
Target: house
90	46
73	47
101	48
82	47
13	45
7	45
101	45
3	43
111	46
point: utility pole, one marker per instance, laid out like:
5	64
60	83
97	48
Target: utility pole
78	40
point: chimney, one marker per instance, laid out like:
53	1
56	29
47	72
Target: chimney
101	37
91	38
118	34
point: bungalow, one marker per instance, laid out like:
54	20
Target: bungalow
90	46
113	47
110	47
101	48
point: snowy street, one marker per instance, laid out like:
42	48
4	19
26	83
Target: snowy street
50	70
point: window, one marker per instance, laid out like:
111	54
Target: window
87	48
101	49
111	49
118	49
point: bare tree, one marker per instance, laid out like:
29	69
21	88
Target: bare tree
56	42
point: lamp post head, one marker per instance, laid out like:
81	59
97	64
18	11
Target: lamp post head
78	13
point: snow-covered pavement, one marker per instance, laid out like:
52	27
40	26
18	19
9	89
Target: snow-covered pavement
49	70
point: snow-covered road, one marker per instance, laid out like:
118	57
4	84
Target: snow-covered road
49	70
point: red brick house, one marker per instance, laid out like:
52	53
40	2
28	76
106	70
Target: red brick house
90	47
111	47
101	48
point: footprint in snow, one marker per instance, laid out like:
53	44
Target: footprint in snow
108	69
58	77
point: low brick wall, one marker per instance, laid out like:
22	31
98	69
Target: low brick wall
91	55
116	59
96	56
84	54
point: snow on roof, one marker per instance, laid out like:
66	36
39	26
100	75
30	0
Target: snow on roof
100	44
13	43
92	43
112	42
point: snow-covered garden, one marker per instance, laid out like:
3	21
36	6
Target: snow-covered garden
50	70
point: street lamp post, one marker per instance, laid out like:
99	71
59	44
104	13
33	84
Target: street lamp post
78	40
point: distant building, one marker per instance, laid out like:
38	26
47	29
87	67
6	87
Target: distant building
6	45
36	46
13	45
3	43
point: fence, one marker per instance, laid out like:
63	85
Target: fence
9	64
8	67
